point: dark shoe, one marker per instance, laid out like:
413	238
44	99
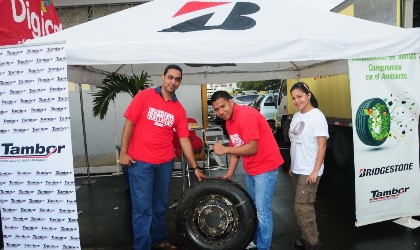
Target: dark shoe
299	244
165	246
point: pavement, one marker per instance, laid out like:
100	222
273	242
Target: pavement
104	214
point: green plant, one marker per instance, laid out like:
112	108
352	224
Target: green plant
113	84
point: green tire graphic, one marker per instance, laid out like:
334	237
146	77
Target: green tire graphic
373	122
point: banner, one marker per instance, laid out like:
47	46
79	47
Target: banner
385	98
37	187
22	20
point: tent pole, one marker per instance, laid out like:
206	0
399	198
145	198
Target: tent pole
84	137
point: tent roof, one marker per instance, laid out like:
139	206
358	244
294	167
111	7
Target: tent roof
261	39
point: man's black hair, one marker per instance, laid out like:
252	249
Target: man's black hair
220	94
172	66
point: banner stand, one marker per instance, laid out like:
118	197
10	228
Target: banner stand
408	222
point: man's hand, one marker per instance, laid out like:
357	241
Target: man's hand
200	175
125	160
219	149
226	177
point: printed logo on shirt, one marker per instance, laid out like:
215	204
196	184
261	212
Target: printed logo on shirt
161	118
236	140
296	131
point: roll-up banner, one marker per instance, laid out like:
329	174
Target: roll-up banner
37	187
385	98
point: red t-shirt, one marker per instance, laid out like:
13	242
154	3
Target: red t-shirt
247	124
155	120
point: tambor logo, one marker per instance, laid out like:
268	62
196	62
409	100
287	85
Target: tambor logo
54	49
52	182
20	130
29	228
66	210
385	170
58	109
49	228
36	91
217	18
8	101
17	92
21	236
37	219
20	219
14	53
32	246
56	219
39	237
26	192
19	111
17	201
6	63
24	173
24	61
8	210
46	210
43	60
12	245
47	246
35	71
4	83
394	193
50	99
16	183
15	72
27	210
27	101
70	247
33	51
24	120
60	58
61	79
52	89
31	183
9	150
38	110
35	201
45	191
45	79
58	237
25	81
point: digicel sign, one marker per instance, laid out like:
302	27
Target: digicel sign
23	20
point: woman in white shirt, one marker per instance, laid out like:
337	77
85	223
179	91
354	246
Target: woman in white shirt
308	136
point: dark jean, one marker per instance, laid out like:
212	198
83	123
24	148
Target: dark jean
260	188
149	188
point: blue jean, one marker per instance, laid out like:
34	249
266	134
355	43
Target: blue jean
149	189
260	188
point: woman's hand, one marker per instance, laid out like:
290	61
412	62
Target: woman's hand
312	177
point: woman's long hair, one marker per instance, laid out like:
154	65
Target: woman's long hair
304	88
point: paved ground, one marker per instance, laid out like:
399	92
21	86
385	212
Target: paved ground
104	217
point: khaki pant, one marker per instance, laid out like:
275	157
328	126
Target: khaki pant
304	207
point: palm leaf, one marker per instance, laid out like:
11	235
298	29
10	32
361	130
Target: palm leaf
113	84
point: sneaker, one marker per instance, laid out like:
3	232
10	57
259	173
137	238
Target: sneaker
251	245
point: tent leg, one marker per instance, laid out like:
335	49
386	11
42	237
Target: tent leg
89	181
408	222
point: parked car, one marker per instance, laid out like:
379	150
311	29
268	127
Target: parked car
245	99
267	105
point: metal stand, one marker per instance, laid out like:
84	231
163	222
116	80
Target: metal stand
185	177
89	181
408	222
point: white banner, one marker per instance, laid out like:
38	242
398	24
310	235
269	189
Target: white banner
37	188
385	97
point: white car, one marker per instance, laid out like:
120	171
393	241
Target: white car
245	100
267	105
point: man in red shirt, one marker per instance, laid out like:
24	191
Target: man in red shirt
148	151
251	137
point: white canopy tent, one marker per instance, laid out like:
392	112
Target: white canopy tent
223	42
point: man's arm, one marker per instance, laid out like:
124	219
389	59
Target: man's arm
233	163
124	158
249	148
189	154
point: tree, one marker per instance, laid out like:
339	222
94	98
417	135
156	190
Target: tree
260	85
113	84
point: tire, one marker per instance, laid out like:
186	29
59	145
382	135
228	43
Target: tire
273	126
342	146
285	127
373	122
216	214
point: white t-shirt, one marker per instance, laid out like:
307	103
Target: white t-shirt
303	133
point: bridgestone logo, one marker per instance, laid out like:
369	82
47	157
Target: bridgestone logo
387	194
385	170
